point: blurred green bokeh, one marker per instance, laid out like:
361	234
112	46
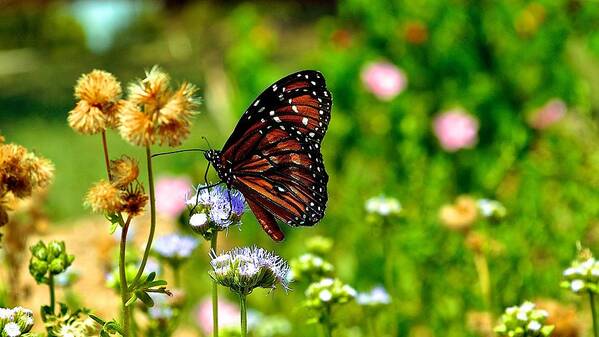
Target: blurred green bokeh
498	60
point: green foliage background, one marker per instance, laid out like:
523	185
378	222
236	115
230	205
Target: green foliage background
497	59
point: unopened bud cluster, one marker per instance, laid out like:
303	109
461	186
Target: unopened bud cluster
310	267
524	321
327	292
51	259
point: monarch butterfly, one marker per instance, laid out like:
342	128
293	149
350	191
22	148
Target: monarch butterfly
273	155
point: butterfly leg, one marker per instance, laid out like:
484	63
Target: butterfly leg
198	196
230	203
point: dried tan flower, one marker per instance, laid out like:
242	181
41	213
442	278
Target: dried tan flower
123	171
155	113
98	93
136	127
461	215
135	201
562	317
105	197
21	171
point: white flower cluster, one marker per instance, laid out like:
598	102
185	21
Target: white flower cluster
383	206
175	246
327	292
310	267
524	321
582	276
246	268
15	322
491	209
378	296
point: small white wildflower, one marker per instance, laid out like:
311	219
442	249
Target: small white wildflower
383	206
12	329
534	326
325	295
577	285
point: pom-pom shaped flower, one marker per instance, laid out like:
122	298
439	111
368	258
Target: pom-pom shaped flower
461	215
244	269
310	267
175	248
123	171
552	112
15	322
378	296
215	209
383	206
456	129
327	292
524	321
583	274
171	193
156	113
51	259
98	93
491	209
384	80
105	197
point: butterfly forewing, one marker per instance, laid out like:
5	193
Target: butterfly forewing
274	152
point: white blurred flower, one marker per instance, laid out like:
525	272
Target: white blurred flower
383	206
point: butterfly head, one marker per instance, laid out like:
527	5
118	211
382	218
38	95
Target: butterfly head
213	156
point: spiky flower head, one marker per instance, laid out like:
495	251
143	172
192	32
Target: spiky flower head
50	259
154	113
21	171
215	209
583	274
310	267
17	321
174	247
98	94
246	268
105	197
524	321
123	171
327	292
378	296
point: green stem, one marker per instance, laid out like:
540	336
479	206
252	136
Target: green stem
144	260
244	319
106	159
482	269
327	324
594	313
176	274
52	295
213	242
123	277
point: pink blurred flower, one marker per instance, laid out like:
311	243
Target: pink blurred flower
171	195
550	113
456	129
384	80
228	315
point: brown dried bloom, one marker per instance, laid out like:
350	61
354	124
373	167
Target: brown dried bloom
562	317
461	215
105	197
98	93
21	171
135	201
155	113
123	171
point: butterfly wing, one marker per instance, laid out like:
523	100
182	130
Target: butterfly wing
274	152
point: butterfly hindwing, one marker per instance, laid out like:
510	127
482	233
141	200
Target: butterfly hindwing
273	155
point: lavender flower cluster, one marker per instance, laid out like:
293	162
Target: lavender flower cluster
174	246
215	209
246	268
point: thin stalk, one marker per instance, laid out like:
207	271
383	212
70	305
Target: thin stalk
327	325
244	319
144	260
176	274
106	159
594	313
482	269
52	295
213	243
123	277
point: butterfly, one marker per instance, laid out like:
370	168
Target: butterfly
273	155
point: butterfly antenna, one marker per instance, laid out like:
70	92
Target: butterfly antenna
207	142
178	151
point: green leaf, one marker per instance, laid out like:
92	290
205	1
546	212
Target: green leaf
144	297
131	300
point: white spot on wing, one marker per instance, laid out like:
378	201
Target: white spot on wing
305	120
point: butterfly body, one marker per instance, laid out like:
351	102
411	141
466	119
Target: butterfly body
273	156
